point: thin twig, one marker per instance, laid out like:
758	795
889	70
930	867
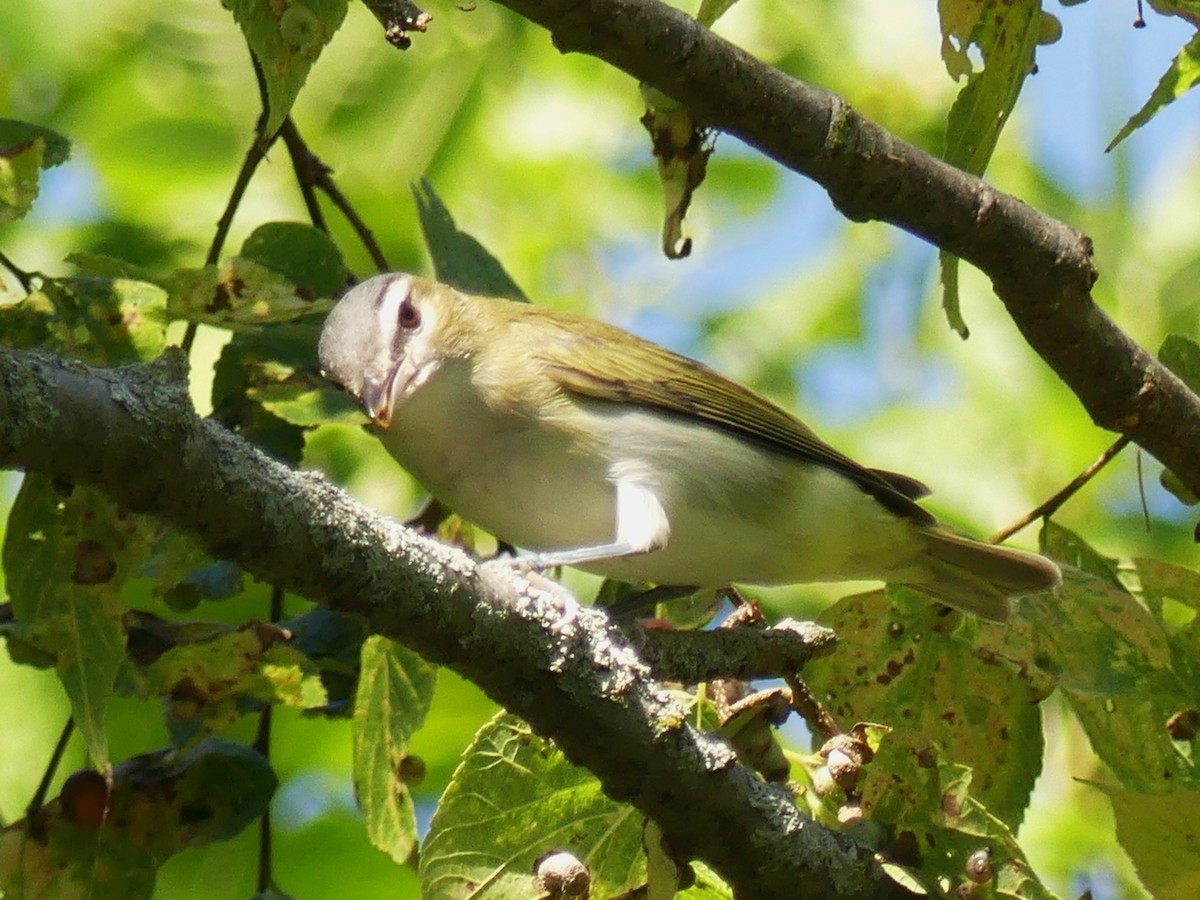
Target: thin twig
360	227
1051	505
25	278
254	155
39	795
805	702
308	168
1142	489
262	743
312	172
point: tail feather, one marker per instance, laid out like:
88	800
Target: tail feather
981	578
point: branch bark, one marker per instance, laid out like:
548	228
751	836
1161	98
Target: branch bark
1040	268
132	433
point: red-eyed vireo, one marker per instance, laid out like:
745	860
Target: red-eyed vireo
597	449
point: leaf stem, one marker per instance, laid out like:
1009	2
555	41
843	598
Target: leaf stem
254	155
25	278
39	795
262	743
310	173
1049	506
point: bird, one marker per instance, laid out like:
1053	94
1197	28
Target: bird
587	446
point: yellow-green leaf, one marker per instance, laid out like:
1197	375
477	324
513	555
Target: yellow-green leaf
395	689
514	797
287	36
1179	78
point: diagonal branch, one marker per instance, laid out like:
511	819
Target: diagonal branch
1040	268
132	433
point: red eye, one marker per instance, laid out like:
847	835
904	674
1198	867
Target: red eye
410	316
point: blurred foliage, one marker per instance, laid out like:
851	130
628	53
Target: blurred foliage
1072	730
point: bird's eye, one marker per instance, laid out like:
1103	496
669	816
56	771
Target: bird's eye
410	316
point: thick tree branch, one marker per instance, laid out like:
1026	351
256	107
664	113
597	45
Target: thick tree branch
1040	268
132	433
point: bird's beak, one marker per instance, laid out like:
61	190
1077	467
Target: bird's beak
376	397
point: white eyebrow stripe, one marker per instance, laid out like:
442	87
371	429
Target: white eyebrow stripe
393	295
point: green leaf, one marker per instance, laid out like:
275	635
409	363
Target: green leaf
25	149
15	133
897	664
101	321
98	265
910	786
708	885
159	803
459	259
19	170
514	797
711	10
267	387
304	255
209	681
287	36
951	305
395	689
1006	33
1066	546
1161	834
1181	355
241	295
1179	78
1123	672
67	557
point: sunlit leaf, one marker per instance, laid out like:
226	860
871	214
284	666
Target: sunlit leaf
241	294
100	321
513	798
209	681
66	558
287	38
159	804
304	255
19	170
1124	674
896	663
910	786
458	258
395	689
1161	834
15	133
25	149
1179	78
1006	33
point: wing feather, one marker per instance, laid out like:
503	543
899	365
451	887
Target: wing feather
610	364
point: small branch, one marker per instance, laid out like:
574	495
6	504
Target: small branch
809	708
308	168
24	278
1051	505
262	743
38	800
310	173
254	155
398	17
742	653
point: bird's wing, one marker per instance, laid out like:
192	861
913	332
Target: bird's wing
620	367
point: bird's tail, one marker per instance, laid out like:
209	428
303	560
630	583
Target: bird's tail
980	578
